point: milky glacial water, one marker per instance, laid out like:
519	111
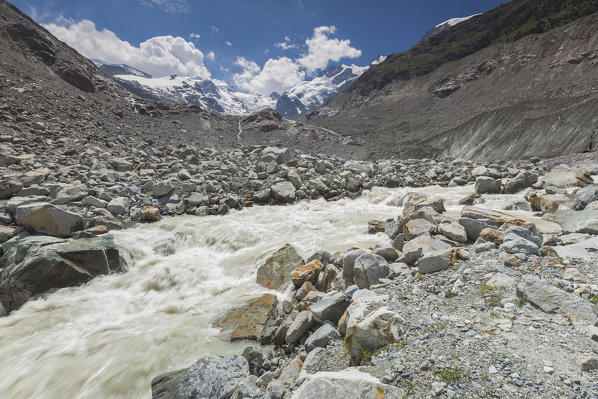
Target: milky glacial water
110	337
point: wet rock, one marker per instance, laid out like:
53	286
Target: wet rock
321	337
330	307
45	218
34	265
212	377
248	321
486	185
276	271
345	385
150	214
368	269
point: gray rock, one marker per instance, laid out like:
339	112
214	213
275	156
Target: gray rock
322	337
368	269
34	265
162	188
347	384
551	299
8	188
275	154
585	196
93	201
530	234
437	261
522	180
330	307
70	194
118	206
453	231
348	262
283	191
387	251
585	221
422	245
514	244
486	185
212	377
45	218
483	246
121	164
299	327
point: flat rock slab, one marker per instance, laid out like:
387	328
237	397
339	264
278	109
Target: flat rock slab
551	299
248	321
576	221
347	384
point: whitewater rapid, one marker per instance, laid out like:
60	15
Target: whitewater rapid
110	337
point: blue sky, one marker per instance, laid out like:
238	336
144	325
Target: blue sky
256	45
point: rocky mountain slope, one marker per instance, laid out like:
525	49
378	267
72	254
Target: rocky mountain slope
517	81
48	88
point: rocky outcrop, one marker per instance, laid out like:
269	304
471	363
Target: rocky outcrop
34	265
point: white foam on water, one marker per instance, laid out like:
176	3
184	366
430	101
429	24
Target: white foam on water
110	337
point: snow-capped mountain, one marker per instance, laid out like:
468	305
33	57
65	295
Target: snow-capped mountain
445	25
218	96
309	94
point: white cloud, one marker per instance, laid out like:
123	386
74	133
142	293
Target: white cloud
170	6
228	43
321	49
214	29
194	36
286	44
277	75
158	56
211	56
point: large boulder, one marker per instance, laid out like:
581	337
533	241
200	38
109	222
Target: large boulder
477	219
486	185
308	272
330	307
437	261
212	377
275	154
45	218
522	180
299	327
585	221
565	176
36	264
368	269
418	227
248	321
379	328
277	269
421	246
347	384
322	337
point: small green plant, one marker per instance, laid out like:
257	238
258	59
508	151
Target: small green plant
450	294
436	326
450	375
402	343
409	385
366	354
494	314
520	301
492	295
594	299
